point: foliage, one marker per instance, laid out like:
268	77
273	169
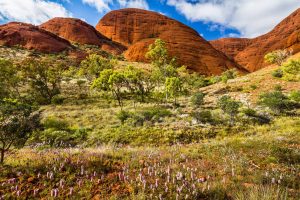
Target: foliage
173	88
94	64
58	133
278	73
277	57
275	100
17	122
204	116
198	99
229	106
229	74
44	77
291	70
295	95
9	80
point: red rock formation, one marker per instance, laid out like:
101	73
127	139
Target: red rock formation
137	28
78	31
286	35
32	38
231	46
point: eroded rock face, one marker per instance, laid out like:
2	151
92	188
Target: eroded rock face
31	37
286	35
78	31
231	46
137	29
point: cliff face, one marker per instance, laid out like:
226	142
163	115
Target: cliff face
231	46
286	35
137	29
32	38
77	31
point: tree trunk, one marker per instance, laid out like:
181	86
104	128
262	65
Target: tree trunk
2	156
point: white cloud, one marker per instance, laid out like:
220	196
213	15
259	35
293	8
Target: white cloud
106	5
31	11
134	4
250	17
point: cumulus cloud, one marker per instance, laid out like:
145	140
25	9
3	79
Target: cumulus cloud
31	11
251	18
106	5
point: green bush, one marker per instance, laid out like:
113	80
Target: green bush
229	74
58	133
295	96
197	99
291	70
203	116
278	73
229	106
123	115
54	123
275	100
57	100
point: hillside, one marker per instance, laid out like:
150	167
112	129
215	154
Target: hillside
251	54
130	27
77	31
32	38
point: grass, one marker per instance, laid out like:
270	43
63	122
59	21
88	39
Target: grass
261	164
167	156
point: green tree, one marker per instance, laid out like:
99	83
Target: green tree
230	107
173	88
92	66
113	81
43	77
10	81
17	122
275	100
158	54
138	82
277	57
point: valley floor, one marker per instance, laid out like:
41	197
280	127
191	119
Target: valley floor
261	163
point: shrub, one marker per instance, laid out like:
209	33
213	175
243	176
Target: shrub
275	100
229	74
54	123
58	133
291	70
203	116
295	96
278	73
123	116
198	99
57	100
277	57
229	106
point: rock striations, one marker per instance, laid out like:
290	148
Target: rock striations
131	31
31	37
137	28
78	31
286	35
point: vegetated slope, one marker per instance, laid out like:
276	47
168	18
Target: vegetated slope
137	28
286	35
31	37
78	31
250	86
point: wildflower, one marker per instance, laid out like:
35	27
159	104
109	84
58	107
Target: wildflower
71	191
156	183
273	180
18	193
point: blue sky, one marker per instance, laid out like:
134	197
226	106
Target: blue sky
213	19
